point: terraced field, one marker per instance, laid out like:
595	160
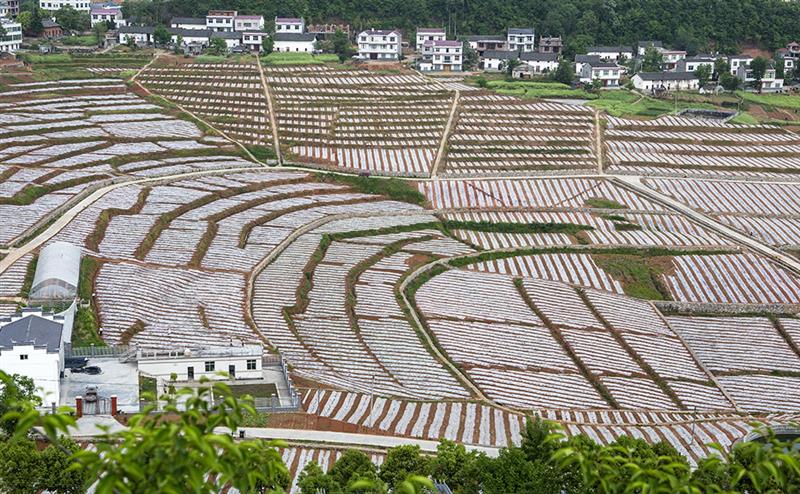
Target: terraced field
446	307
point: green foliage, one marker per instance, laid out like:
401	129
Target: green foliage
341	45
99	31
57	473
312	480
262	153
602	203
217	47
703	74
16	389
301	58
508	66
652	60
394	188
744	118
565	72
501	227
19	465
481	82
401	462
772	100
25	18
267	45
85	326
729	81
640	276
759	67
453	465
89	40
27	282
72	19
353	466
469	59
161	37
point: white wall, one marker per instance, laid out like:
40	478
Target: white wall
82	5
44	368
294	46
164	368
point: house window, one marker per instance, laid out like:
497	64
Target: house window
23	357
210	366
251	365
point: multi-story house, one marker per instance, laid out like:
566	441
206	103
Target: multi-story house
426	34
221	20
242	23
107	13
443	56
608	73
289	25
736	61
13	38
383	45
769	82
690	64
494	61
665	81
9	8
482	43
80	5
670	58
521	39
549	44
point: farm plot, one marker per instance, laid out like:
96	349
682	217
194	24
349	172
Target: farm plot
500	135
230	96
767	211
512	195
679	146
731	279
465	422
347	328
360	121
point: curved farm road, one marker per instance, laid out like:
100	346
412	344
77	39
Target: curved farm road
14	254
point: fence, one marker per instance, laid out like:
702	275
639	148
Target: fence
98	351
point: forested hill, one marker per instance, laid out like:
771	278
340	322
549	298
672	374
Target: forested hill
688	24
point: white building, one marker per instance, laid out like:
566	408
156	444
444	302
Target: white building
608	73
380	45
221	20
642	46
521	39
482	43
191	37
239	362
443	56
691	64
232	39
670	58
192	23
769	82
107	13
11	41
290	25
580	60
81	5
425	34
254	40
32	344
141	35
736	61
243	23
540	63
295	42
665	81
611	53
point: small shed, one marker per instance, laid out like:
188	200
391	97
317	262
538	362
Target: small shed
57	273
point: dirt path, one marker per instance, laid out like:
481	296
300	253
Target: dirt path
598	142
273	122
445	137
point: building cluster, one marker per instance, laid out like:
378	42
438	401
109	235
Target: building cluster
11	40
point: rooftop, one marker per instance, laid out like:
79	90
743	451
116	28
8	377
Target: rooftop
431	30
250	17
447	42
520	30
289	20
667	76
379	32
32	330
484	37
610	49
205	352
188	20
603	65
587	58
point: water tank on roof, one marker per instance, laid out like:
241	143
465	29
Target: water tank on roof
57	273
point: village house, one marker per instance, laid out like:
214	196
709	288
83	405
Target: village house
443	56
521	39
10	43
691	64
642	46
294	42
425	34
550	44
32	344
655	82
769	82
289	25
9	8
608	73
789	62
141	35
51	29
611	53
580	60
242	23
670	58
221	20
736	61
192	40
80	5
482	43
385	45
540	63
193	23
107	14
793	49
253	41
238	362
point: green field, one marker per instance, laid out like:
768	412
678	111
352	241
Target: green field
284	58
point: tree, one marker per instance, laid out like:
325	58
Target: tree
130	42
19	465
56	474
401	462
161	36
312	480
469	58
341	45
267	45
72	20
721	66
217	47
564	73
780	68
759	68
453	465
352	466
703	74
99	30
24	18
16	389
509	65
729	81
35	26
178	49
652	60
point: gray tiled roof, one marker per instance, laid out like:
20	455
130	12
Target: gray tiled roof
32	329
